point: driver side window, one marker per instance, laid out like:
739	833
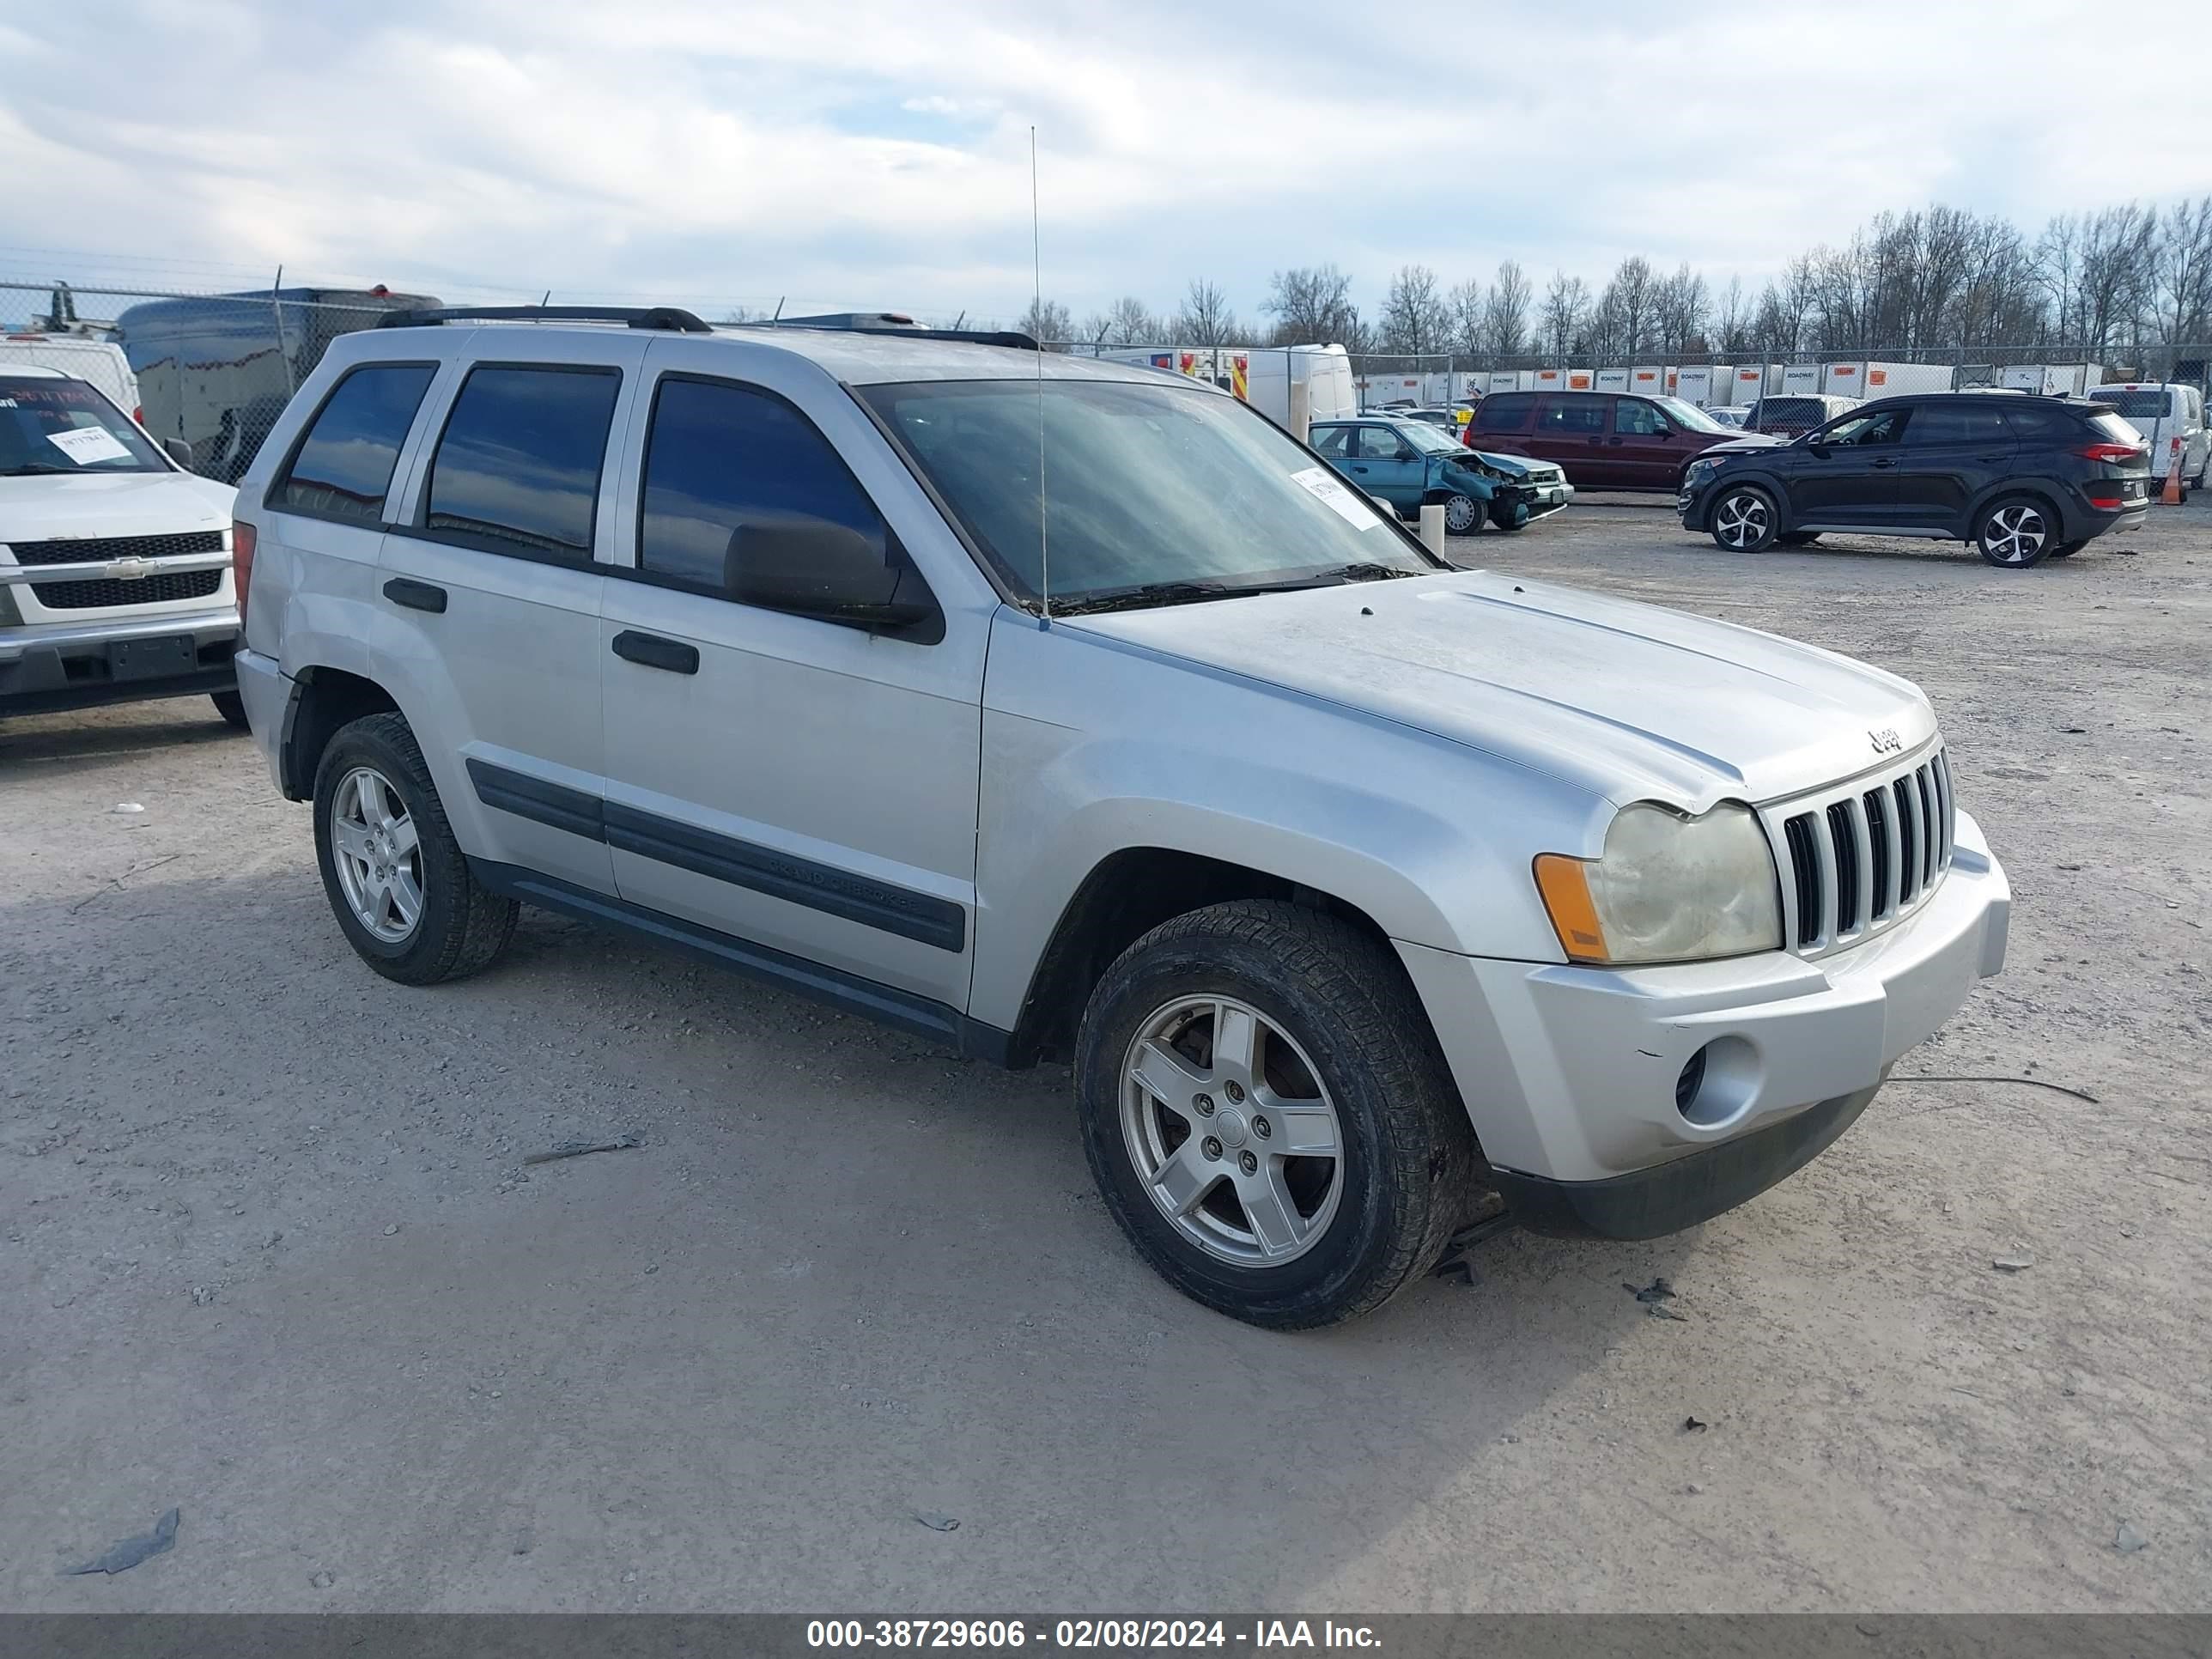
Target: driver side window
1379	443
1867	431
1633	419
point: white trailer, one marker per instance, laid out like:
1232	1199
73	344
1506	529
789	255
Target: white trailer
1612	380
1892	380
1261	375
1648	382
1843	379
1800	378
1747	384
1703	384
1513	379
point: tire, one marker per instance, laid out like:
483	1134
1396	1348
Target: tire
2066	549
1468	512
1743	519
458	925
231	707
2016	532
1505	516
1341	1032
1797	538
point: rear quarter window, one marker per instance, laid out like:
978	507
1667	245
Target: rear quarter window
343	467
2115	429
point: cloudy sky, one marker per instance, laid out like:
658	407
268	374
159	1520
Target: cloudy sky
851	154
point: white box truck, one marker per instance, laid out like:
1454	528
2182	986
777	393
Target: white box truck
1800	378
1612	380
1893	380
1843	379
1262	376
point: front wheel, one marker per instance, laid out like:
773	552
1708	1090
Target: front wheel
2015	532
1267	1115
1743	521
1462	515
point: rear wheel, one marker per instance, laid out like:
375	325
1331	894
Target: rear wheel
2016	532
1743	519
397	879
1267	1116
231	707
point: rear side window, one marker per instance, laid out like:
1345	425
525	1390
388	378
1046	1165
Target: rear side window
1506	412
1573	414
1972	422
517	469
342	468
718	456
1332	441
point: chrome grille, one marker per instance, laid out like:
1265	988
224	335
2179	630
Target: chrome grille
1860	857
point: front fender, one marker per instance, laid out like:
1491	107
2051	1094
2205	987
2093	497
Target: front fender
1092	747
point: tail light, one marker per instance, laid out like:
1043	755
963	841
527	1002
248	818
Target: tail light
139	414
2117	454
241	565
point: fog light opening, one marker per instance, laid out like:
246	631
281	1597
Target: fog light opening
1718	1084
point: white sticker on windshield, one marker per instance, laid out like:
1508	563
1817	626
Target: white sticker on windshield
87	444
1320	483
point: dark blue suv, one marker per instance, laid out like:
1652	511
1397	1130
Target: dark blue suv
2021	478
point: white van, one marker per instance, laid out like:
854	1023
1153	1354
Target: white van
2163	413
96	363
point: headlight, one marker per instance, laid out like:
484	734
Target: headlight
1667	888
1699	472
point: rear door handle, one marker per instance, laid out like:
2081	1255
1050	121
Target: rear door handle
416	596
651	651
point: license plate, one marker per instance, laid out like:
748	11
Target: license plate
1554	497
152	659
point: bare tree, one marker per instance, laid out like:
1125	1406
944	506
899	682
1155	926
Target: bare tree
2115	283
1678	311
1731	319
1567	304
1626	305
1311	305
1206	319
2182	273
1505	311
1468	328
1047	321
1415	319
1131	323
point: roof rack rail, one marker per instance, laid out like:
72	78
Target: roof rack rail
660	316
898	323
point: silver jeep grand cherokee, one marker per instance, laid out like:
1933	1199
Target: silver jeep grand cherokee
1051	708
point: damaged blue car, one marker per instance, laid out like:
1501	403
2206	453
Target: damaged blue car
1407	464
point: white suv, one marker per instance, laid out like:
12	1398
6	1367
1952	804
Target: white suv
115	562
1360	891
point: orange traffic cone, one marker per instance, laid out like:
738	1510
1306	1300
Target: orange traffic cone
2171	494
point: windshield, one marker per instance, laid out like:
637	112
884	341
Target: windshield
1428	438
52	425
1141	485
1689	416
2137	404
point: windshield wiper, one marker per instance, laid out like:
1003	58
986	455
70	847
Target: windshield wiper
1371	572
30	469
1190	592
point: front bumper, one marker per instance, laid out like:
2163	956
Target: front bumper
1691	505
81	664
1569	1074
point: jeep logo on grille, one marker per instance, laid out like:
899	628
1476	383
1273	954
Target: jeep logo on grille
1885	741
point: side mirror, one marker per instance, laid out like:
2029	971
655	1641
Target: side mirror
178	451
831	572
1815	447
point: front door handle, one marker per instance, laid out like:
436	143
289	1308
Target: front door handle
1885	463
1595	443
416	596
651	651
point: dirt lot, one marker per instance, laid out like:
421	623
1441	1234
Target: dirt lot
271	1254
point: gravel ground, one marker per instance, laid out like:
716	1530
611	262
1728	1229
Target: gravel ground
271	1254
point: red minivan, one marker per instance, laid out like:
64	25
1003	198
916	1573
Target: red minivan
1602	440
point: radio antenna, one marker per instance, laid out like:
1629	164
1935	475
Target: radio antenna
1037	318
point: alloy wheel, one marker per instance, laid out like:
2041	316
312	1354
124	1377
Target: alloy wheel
1231	1131
378	854
1743	520
2015	534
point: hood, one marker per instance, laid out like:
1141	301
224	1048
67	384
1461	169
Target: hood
47	507
1519	466
1741	444
1629	701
